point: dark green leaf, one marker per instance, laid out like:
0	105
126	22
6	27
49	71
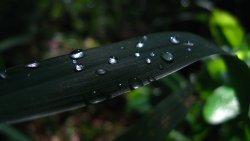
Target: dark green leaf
56	86
12	133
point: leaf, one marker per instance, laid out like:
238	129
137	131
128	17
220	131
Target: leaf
226	29
12	133
62	83
221	106
167	114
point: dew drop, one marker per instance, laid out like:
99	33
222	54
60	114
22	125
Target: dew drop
79	67
135	84
152	54
122	47
140	44
120	85
151	78
174	40
101	71
77	54
137	54
33	65
189	49
74	61
3	75
148	61
144	37
189	43
112	60
167	56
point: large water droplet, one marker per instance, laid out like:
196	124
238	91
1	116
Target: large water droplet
167	56
140	44
174	40
79	67
148	61
101	71
152	54
33	65
77	54
3	75
135	84
137	54
112	60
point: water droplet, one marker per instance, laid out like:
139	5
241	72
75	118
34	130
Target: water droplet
101	71
174	40
167	56
135	84
189	49
151	78
79	67
152	54
188	43
161	67
77	54
140	44
137	54
96	97
33	65
74	61
144	37
120	85
3	75
112	60
148	61
122	47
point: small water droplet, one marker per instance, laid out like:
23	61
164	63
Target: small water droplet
120	85
77	54
79	67
174	40
74	61
167	56
148	61
135	84
151	78
3	75
144	37
101	71
152	54
140	44
33	65
112	60
122	47
137	54
161	67
189	43
189	49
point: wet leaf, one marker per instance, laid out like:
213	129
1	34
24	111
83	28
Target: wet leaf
65	82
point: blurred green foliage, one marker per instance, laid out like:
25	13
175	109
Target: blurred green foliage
44	28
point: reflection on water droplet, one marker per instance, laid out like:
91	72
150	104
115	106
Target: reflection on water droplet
148	61
33	65
152	54
167	56
174	40
144	37
137	54
135	84
78	67
188	43
77	54
101	71
112	60
120	85
74	61
140	44
3	75
189	49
